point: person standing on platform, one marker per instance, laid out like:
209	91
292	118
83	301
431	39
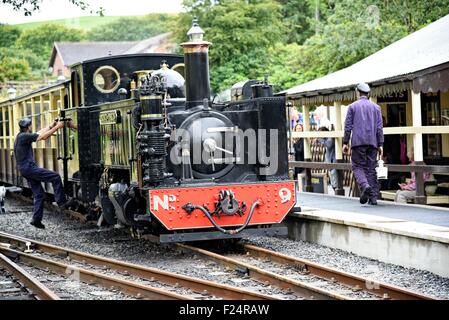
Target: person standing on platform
29	170
364	121
329	157
298	147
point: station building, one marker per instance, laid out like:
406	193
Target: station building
409	80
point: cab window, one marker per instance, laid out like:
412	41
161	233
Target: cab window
106	79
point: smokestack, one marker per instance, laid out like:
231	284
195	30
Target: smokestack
196	60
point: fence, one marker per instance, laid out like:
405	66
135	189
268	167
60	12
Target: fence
318	155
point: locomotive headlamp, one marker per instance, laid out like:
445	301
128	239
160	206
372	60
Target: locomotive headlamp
195	33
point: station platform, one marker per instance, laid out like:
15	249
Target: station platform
419	213
408	235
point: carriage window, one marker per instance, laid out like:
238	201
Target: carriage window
106	79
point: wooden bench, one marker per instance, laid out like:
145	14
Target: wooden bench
388	194
435	199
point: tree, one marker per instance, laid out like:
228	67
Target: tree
29	6
41	39
131	29
413	14
37	66
284	65
12	68
8	35
350	33
241	33
303	18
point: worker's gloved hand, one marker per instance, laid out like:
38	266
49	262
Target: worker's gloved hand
70	124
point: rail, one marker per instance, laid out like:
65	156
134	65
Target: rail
195	284
305	290
300	288
40	291
380	289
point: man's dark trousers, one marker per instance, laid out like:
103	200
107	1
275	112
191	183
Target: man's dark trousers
364	160
35	176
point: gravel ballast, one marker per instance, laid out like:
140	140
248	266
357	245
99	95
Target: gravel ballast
116	243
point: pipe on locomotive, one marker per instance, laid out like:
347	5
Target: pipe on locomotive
151	137
196	60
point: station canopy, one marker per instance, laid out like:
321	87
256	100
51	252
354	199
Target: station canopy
419	61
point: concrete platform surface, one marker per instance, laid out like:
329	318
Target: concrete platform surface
407	235
437	216
383	224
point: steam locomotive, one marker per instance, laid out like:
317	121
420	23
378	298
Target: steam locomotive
153	152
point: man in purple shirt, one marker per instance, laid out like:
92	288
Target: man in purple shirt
364	121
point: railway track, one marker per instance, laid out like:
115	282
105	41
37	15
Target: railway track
303	278
91	269
18	284
353	281
306	278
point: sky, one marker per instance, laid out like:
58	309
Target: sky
61	9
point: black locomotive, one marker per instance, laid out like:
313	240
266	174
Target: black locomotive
152	151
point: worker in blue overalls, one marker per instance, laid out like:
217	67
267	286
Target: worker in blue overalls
35	176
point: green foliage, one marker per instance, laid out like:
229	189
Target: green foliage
16	63
8	35
413	14
295	41
241	32
297	16
41	39
31	48
303	18
240	67
85	23
283	65
131	28
24	63
347	37
12	68
25	56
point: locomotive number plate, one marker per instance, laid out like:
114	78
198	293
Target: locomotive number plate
276	200
109	117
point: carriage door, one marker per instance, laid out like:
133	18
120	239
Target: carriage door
76	89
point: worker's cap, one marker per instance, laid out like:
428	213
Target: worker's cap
25	122
363	87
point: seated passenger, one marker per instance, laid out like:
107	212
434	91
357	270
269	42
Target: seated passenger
408	190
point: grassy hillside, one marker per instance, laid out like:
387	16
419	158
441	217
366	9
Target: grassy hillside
84	23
